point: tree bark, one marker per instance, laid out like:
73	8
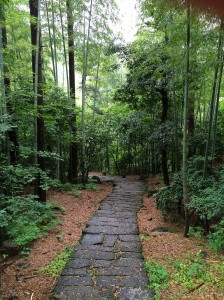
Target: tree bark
164	159
12	134
73	156
37	80
186	96
212	104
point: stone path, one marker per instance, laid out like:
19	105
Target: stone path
108	263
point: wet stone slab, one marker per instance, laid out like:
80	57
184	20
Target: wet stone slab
115	271
129	293
83	293
94	229
109	240
92	239
72	280
89	254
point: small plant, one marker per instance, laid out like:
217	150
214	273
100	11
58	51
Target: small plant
26	251
192	273
158	276
216	239
196	232
76	193
143	237
92	186
55	268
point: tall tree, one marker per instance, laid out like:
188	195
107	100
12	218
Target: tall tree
186	101
12	133
213	99
73	156
37	80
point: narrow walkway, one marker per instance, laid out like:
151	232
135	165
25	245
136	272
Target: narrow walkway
108	264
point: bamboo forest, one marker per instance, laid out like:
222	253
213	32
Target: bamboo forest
111	150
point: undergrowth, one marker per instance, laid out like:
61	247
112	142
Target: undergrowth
24	219
188	275
55	268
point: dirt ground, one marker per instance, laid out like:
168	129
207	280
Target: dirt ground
173	246
20	277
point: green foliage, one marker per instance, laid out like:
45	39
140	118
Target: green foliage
194	272
75	193
24	219
55	268
191	273
196	232
216	238
14	178
158	276
69	187
209	204
168	197
206	195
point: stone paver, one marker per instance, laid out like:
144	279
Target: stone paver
108	263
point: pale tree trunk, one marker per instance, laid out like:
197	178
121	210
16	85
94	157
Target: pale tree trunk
96	86
64	48
54	42
85	65
185	126
50	38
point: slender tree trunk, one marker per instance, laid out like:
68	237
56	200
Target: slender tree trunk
212	104
5	147
50	39
54	42
96	86
164	161
12	134
221	61
186	96
64	48
37	79
73	156
217	108
85	64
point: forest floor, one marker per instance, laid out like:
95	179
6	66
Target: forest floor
20	277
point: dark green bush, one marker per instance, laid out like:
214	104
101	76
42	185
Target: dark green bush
25	219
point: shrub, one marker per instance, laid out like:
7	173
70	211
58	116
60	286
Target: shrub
216	239
25	219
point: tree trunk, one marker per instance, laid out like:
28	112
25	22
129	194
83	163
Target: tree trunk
64	47
212	104
185	119
164	159
12	134
85	62
221	59
37	79
73	155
